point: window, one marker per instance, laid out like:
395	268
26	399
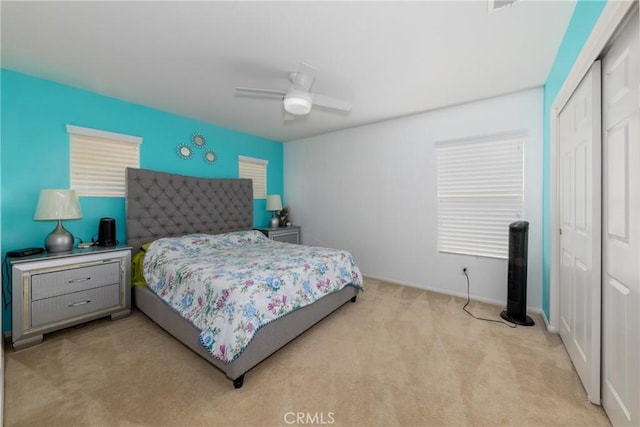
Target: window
256	170
480	192
98	160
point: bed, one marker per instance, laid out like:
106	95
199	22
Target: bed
163	205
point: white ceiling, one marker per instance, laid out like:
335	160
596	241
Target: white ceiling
389	59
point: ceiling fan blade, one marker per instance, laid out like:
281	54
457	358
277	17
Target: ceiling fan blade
256	91
305	76
328	102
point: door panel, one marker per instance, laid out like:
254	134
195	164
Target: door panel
580	239
580	333
621	234
616	385
618	181
566	202
566	278
581	187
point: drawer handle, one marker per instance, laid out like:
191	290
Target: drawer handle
75	304
82	279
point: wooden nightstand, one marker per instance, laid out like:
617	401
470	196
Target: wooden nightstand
51	291
282	234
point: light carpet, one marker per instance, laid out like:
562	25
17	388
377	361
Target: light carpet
398	356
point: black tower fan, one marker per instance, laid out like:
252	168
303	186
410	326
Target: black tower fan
516	311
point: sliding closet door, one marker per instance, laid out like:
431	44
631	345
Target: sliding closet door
580	238
621	229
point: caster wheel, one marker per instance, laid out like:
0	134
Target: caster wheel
237	383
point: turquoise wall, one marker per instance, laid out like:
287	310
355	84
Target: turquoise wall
585	15
35	154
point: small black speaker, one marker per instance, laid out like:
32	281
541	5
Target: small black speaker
516	311
107	232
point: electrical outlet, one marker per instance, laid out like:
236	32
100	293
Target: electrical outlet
464	270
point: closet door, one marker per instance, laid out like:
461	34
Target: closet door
621	229
580	238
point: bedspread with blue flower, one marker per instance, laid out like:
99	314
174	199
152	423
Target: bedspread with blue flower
229	285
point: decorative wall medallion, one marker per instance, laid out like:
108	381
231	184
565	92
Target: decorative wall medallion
209	157
184	151
198	140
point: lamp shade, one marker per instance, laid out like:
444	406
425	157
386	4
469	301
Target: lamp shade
274	203
58	204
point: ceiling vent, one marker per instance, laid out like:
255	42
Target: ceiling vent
495	5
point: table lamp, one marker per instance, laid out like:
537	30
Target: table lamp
274	203
54	204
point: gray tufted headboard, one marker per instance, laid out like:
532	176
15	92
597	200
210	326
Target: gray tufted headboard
160	204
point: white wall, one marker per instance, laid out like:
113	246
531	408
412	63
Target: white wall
372	190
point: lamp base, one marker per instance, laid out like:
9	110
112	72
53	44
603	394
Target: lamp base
275	222
59	240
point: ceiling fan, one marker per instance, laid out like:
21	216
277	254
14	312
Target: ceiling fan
298	98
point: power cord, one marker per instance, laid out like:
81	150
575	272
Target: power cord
6	282
464	270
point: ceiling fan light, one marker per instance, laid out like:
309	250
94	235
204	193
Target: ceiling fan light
297	106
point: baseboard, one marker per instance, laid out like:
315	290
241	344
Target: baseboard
550	328
501	304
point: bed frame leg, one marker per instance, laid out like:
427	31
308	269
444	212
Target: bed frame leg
353	299
237	383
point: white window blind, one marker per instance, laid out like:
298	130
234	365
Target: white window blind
480	192
98	160
256	170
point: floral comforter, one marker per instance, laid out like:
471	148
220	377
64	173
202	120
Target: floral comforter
229	285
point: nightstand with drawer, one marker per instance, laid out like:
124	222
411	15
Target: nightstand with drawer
282	234
52	291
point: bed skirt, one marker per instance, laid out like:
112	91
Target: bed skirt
267	340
